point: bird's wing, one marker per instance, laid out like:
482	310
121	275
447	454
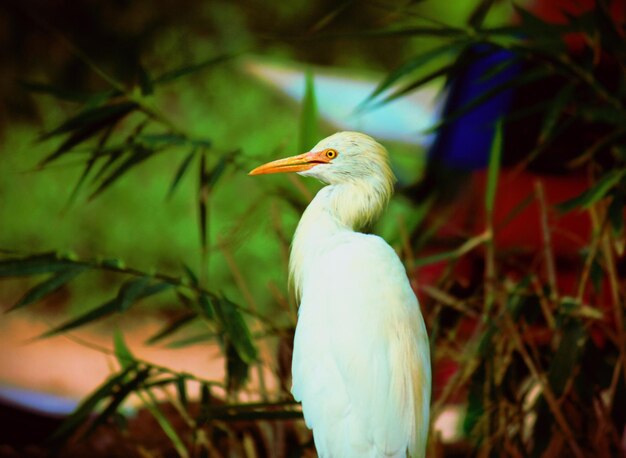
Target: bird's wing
361	364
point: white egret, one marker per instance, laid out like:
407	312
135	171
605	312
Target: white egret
361	358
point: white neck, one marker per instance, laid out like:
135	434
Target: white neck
336	208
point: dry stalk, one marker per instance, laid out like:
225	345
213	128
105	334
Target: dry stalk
547	242
549	396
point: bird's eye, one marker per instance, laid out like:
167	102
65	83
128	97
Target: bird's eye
331	153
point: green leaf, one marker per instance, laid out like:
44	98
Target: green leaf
145	83
498	68
161	140
33	265
173	75
129	292
206	306
48	286
235	329
86	407
218	170
412	65
203	201
90	164
567	355
554	112
138	155
172	327
236	368
99	116
493	171
439	73
616	212
154	288
84	133
70	95
192	340
479	14
309	121
205	404
118	396
425	31
594	193
190	274
475	403
181	389
166	426
114	155
124	357
544	33
526	78
106	309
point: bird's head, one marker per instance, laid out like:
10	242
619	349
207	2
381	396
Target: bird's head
342	158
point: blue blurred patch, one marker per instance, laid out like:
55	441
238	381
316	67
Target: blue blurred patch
464	143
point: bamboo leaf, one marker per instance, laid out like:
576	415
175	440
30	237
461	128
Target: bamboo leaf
236	368
138	155
160	140
190	274
616	212
172	327
555	111
48	286
235	329
479	14
440	72
594	193
70	95
452	254
206	306
219	169
180	172
78	418
509	84
192	340
32	265
493	168
423	31
498	67
145	82
602	114
412	65
542	32
130	292
173	75
104	310
203	199
98	116
117	397
154	288
309	122
475	404
90	164
181	389
205	404
567	355
123	354
114	156
166	426
84	133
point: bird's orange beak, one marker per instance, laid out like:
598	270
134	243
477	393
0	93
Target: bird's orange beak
298	163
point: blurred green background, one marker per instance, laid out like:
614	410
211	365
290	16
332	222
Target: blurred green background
133	220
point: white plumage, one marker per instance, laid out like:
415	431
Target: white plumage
361	361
